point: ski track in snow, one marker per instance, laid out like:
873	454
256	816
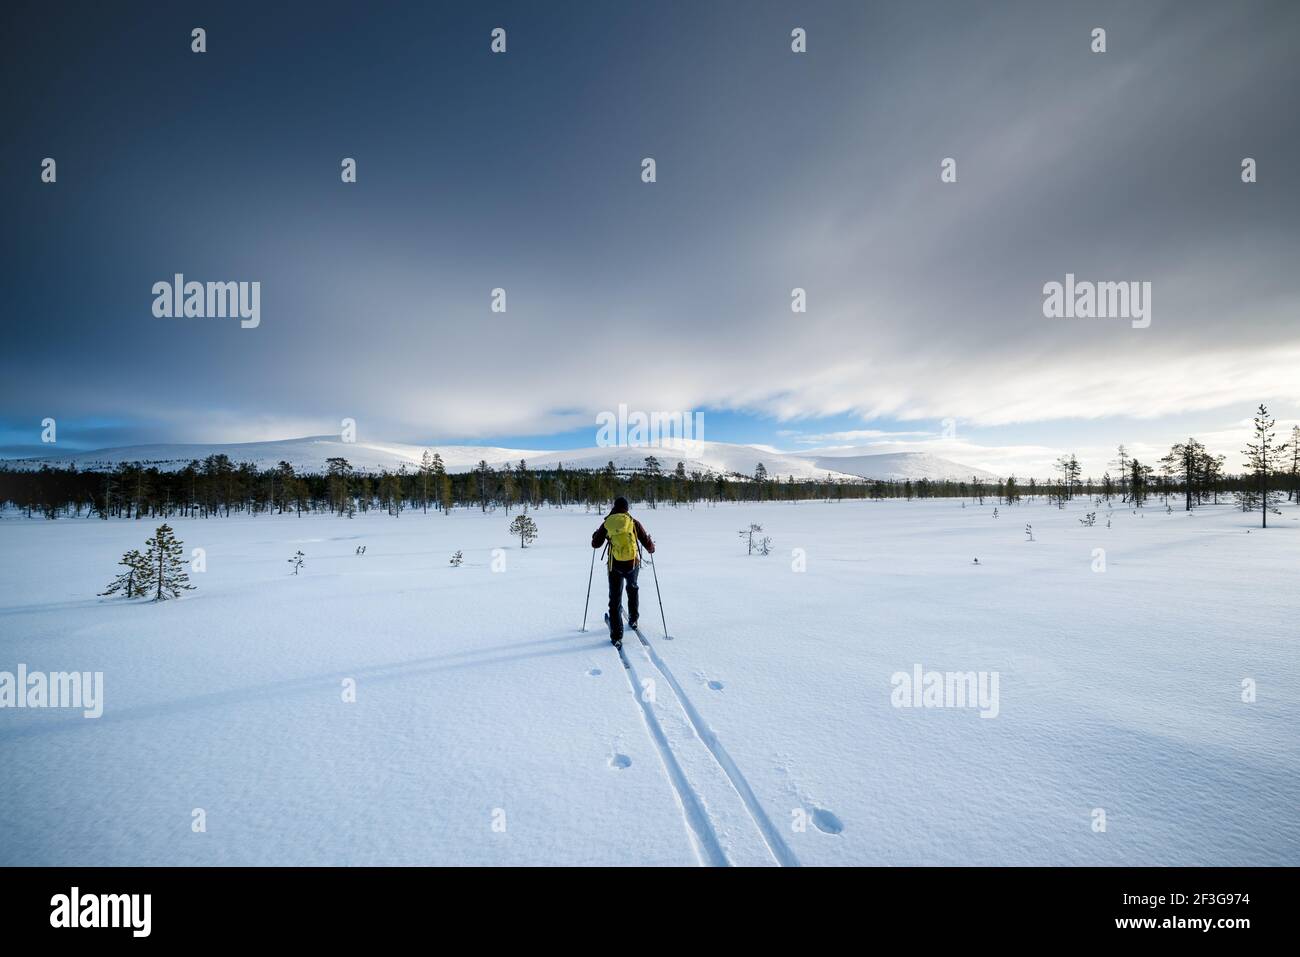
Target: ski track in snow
708	849
771	836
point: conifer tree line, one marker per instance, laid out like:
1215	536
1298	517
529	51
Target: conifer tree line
218	487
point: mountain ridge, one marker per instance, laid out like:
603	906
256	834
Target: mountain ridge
309	454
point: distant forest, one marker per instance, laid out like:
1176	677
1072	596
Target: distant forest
1186	477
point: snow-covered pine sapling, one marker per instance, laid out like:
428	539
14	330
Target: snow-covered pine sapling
297	560
1029	532
764	546
748	534
1089	520
457	559
134	582
525	528
995	512
165	557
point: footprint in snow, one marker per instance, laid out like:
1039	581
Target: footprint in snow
620	761
826	822
712	683
594	673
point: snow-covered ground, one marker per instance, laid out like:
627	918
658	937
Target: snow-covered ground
488	730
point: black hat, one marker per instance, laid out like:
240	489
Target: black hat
620	504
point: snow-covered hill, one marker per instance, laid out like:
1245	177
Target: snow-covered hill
896	465
310	454
307	454
719	457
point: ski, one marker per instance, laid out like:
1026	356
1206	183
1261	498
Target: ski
645	641
636	629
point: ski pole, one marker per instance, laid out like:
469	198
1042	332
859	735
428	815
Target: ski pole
590	573
660	596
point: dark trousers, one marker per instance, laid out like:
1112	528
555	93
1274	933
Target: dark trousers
619	573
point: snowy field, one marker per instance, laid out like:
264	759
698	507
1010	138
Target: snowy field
487	729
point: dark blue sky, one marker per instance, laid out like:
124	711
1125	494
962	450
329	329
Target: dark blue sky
775	170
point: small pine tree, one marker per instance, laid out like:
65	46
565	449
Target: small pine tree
297	560
525	528
134	582
457	559
167	577
748	534
1029	532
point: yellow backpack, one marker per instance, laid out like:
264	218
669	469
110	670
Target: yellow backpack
621	531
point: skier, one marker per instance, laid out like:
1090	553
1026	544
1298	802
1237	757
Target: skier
623	532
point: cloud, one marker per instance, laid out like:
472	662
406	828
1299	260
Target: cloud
924	299
850	436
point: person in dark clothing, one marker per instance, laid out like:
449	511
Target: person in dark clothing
626	536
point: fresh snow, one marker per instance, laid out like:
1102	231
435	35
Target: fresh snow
477	695
310	455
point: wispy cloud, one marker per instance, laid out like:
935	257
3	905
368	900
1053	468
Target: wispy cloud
851	436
